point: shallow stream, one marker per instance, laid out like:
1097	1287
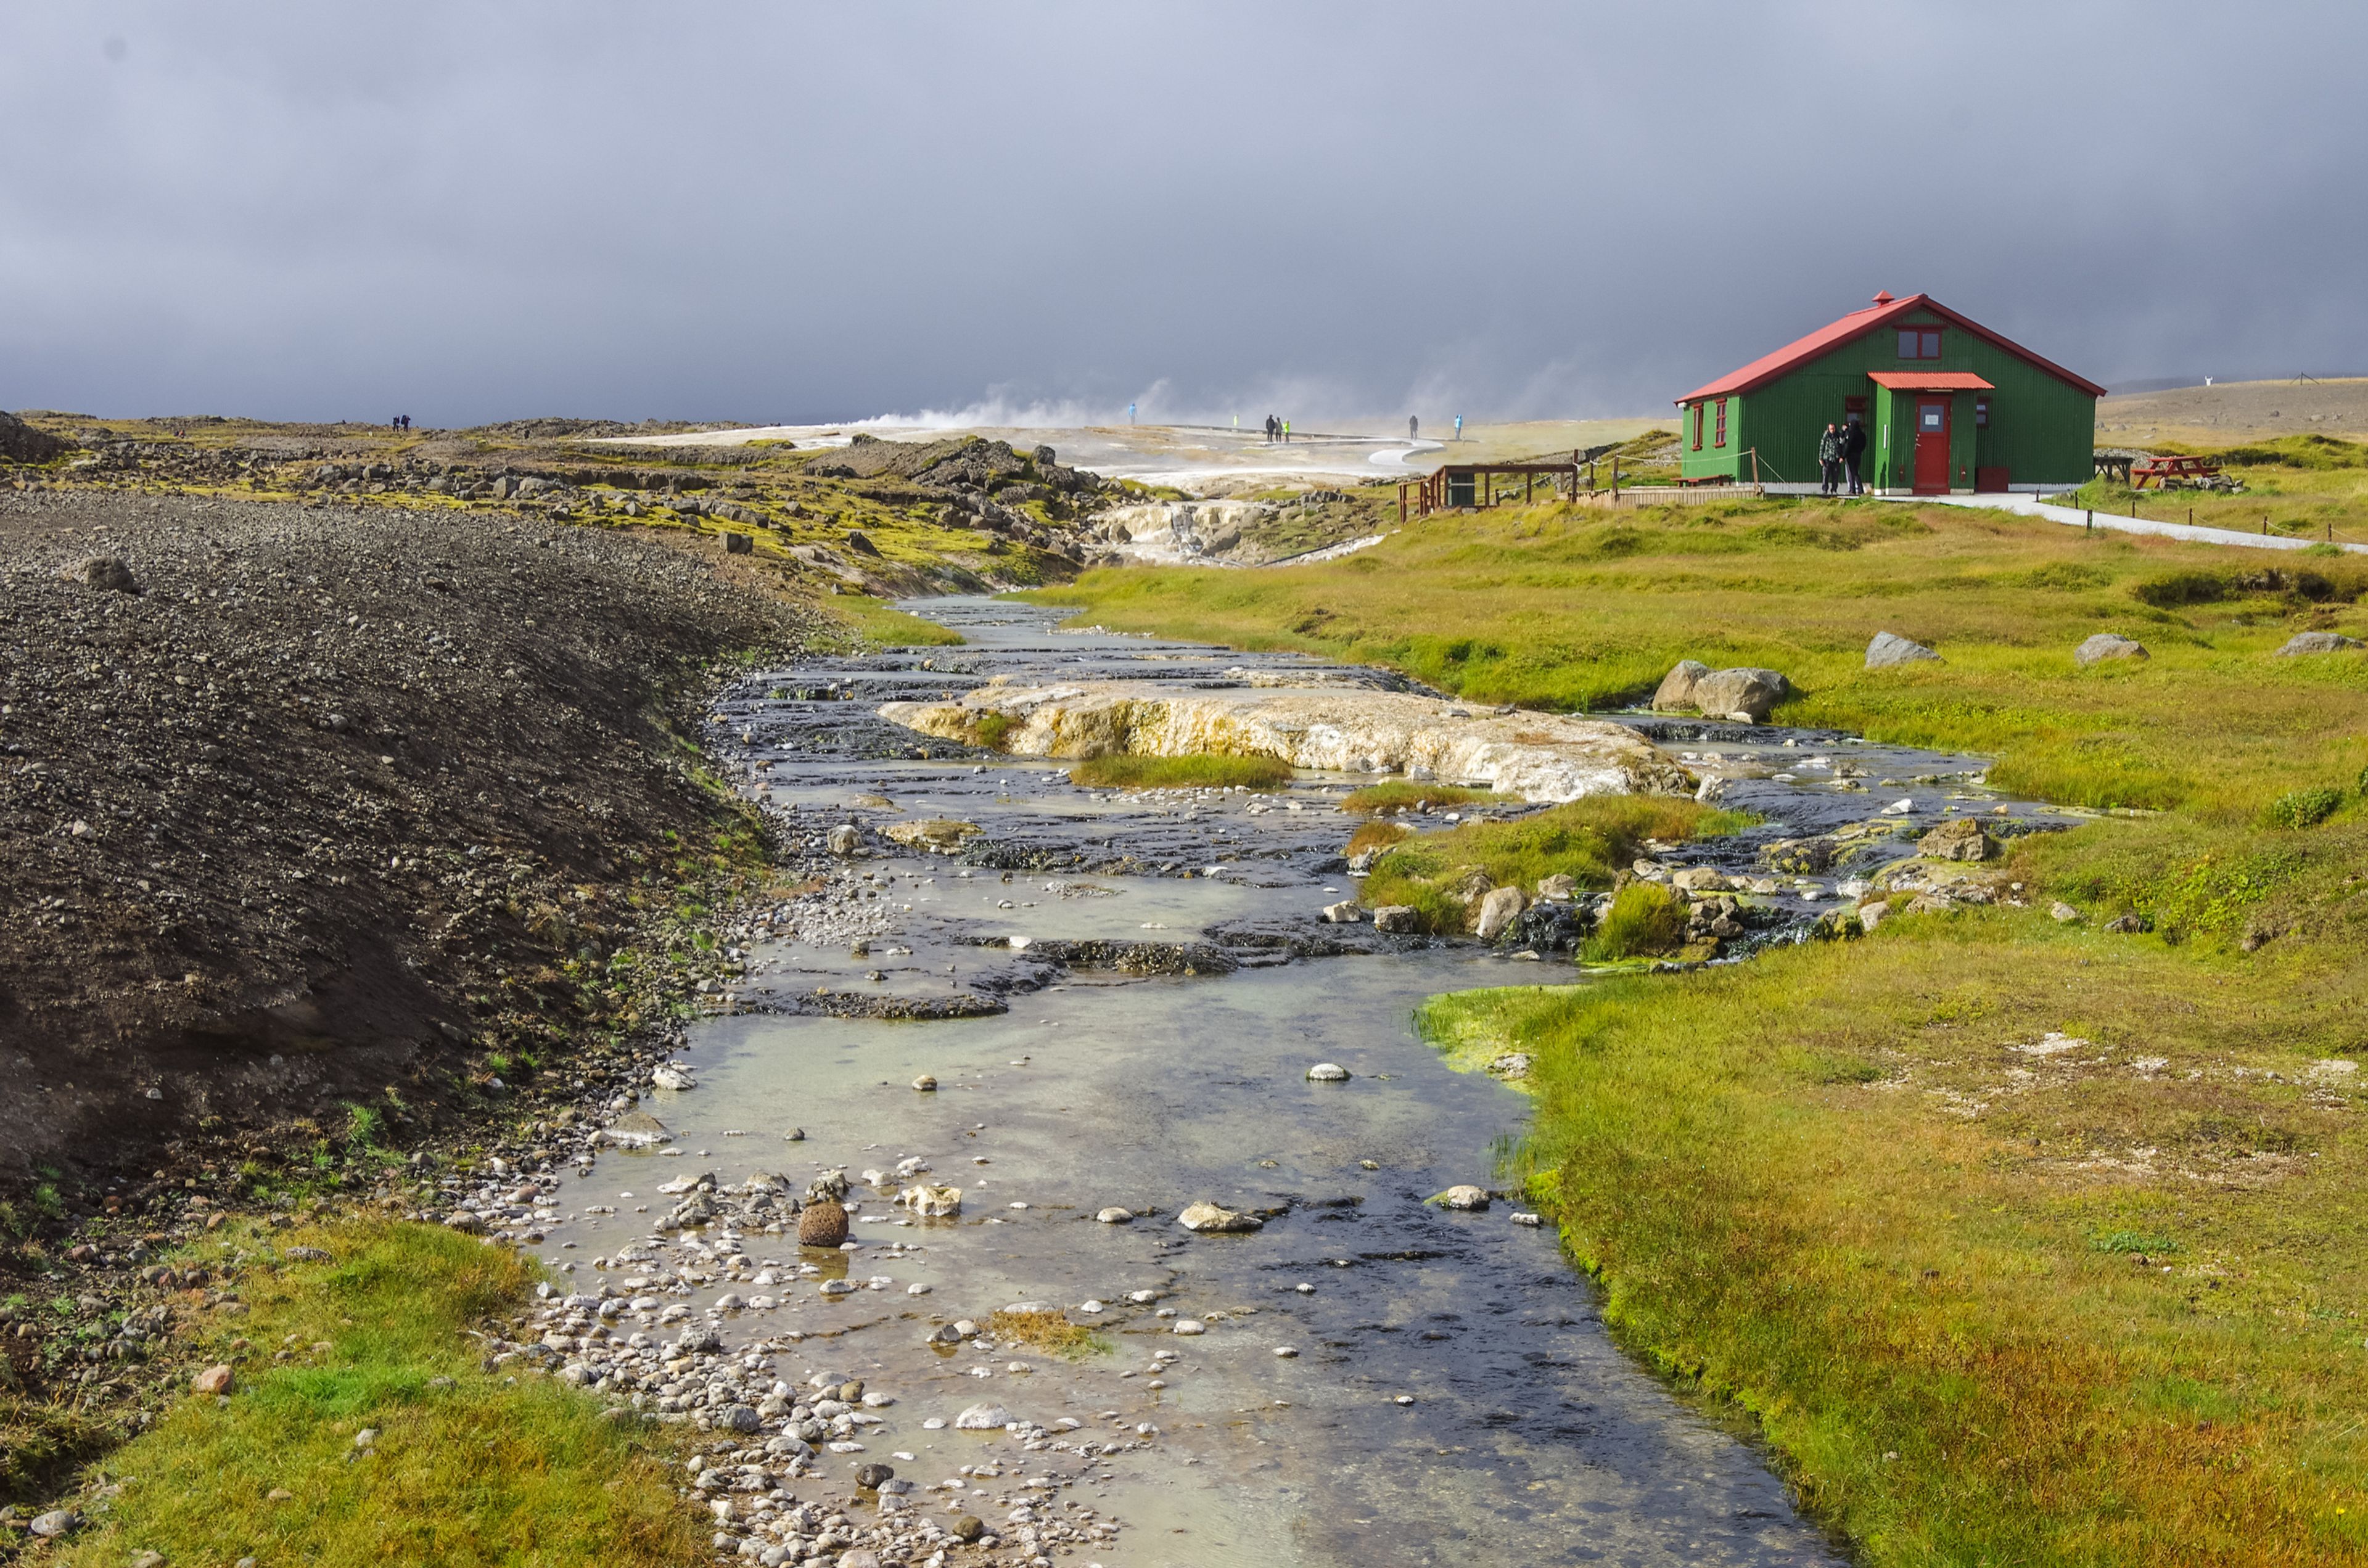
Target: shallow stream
1451	1394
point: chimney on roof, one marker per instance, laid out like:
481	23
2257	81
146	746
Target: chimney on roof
1884	297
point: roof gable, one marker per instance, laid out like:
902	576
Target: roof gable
1857	324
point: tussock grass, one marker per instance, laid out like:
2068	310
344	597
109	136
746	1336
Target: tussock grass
486	1469
876	621
1590	840
1126	771
1826	1187
1047	1331
1645	918
1377	835
1404	794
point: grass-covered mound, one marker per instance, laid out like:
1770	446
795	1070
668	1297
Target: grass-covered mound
2025	1243
1126	771
468	1467
1441	875
1405	794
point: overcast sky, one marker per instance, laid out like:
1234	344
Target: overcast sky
479	211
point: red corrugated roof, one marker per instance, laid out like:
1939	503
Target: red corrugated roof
1930	380
1767	368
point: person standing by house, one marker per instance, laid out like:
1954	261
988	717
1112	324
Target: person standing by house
1854	452
1830	459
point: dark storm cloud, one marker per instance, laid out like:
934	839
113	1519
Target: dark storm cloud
473	211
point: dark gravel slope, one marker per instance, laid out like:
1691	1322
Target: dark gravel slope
285	815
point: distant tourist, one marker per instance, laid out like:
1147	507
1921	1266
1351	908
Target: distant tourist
1273	429
1830	458
1130	414
1286	430
1459	426
1414	428
1854	453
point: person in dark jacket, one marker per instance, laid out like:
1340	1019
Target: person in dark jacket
1855	454
1830	459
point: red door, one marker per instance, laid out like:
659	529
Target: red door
1932	446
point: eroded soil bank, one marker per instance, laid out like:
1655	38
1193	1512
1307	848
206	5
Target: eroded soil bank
309	809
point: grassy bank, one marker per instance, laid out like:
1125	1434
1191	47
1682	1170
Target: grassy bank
465	1466
1994	1297
1563	608
2026	1242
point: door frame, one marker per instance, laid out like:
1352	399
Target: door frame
1948	402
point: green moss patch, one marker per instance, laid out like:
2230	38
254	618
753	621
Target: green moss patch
467	1466
1202	771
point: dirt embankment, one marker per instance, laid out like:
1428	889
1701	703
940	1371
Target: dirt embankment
304	808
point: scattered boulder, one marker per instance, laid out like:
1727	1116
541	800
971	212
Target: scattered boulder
1960	838
634	1130
1698	879
1327	1073
2063	912
858	542
1116	1216
2108	645
105	572
821	1224
2315	642
1676	692
1889	648
1465	1197
740	1419
22	443
982	1418
936	832
1558	888
1208	1218
739	544
1871	915
1344	913
1499	911
1742	695
55	1523
844	839
926	1083
966	1529
1397	917
216	1379
929	1202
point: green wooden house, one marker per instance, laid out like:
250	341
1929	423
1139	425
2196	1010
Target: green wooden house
1950	407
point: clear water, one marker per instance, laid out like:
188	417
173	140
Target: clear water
1454	1396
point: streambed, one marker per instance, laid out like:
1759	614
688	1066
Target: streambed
1448	1392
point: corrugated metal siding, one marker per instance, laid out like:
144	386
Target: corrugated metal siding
2042	429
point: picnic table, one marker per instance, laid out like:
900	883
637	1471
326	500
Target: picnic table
2167	471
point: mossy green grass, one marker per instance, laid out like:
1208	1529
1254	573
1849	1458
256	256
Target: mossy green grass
1993	1296
1405	794
1589	840
1565	608
467	1466
1195	771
